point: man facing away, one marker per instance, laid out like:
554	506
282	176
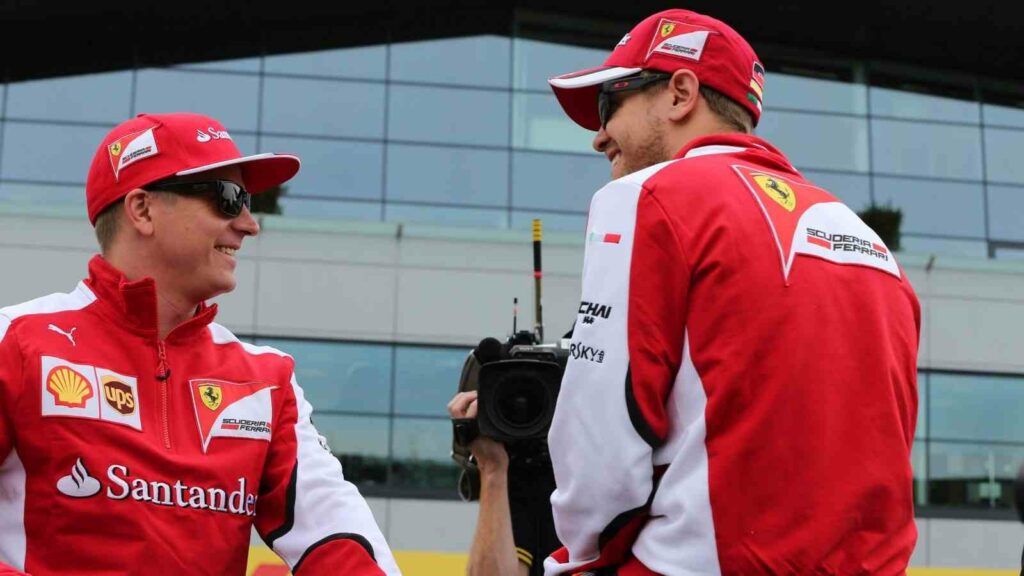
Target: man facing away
748	405
137	436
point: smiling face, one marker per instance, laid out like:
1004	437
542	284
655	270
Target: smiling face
634	136
194	244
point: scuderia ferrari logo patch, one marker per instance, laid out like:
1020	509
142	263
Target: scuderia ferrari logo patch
805	219
129	149
232	410
679	39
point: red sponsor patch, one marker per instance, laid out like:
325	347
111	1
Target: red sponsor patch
232	409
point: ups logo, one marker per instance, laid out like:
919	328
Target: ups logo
119	396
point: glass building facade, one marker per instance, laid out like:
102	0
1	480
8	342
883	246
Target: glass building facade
466	132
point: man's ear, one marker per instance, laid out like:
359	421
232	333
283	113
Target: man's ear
684	88
138	211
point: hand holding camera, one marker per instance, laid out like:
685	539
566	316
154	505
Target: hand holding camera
490	455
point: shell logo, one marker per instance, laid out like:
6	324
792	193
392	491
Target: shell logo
69	388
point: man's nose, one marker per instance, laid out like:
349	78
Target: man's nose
246	223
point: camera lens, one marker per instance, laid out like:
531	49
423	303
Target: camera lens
521	403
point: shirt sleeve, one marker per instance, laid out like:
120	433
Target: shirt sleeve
625	354
10	376
312	517
13	549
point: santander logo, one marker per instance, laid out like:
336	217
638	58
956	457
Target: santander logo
212	134
78	484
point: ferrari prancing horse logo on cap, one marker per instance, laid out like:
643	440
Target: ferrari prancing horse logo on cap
667	28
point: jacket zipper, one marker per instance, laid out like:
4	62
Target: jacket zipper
163	374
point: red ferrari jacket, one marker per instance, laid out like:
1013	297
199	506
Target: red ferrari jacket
741	395
121	453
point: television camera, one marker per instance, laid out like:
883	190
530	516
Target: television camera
517	382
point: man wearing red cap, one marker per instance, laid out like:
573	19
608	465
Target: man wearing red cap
137	435
748	404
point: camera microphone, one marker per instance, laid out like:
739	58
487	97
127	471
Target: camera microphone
488	350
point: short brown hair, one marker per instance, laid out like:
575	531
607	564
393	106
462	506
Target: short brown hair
728	110
107	224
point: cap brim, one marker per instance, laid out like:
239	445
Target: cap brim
260	171
577	92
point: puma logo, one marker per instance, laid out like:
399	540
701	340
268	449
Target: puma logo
70	335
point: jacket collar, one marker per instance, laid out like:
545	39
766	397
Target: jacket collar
135	303
736	143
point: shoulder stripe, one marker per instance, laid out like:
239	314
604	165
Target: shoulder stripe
79	298
222	335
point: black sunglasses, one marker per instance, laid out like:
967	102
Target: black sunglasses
229	196
606	105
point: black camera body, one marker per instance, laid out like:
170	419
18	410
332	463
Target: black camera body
517	383
517	396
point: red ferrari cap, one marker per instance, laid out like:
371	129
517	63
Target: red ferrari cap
669	41
151	147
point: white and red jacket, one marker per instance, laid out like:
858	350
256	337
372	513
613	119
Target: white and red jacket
741	396
121	453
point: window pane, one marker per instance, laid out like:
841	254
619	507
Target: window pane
800	137
448	115
960	248
364	62
320	209
972	475
919	461
230	98
935	207
341	376
536	61
238	65
1002	155
471	217
540	124
447	175
361	443
918	149
975	407
1003	115
323	107
49	153
921	432
798	92
853	189
94	98
523	219
557	181
421	455
472	61
426	379
901	104
1006	212
332	168
59	199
